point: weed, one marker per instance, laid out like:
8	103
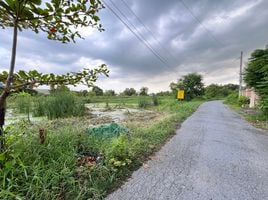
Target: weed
155	100
143	103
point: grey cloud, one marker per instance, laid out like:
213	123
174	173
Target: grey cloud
171	22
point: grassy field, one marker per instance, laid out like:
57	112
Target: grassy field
68	162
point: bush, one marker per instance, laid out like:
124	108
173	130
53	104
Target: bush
243	101
118	154
235	100
232	98
155	100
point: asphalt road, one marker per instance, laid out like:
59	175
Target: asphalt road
214	155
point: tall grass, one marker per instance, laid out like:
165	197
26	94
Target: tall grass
23	103
60	104
30	170
143	102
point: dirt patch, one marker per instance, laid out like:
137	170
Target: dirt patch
145	118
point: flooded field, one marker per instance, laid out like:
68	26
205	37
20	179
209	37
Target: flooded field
96	114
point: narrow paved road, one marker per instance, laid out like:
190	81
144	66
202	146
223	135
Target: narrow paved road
215	155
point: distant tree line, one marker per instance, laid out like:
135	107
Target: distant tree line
191	83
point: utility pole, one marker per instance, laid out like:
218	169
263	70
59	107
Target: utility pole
240	74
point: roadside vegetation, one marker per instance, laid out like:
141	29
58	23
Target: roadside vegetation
65	157
256	78
254	115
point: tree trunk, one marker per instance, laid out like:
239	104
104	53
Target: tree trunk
9	80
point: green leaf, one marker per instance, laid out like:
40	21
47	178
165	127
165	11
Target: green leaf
2	157
12	4
95	18
49	6
37	2
23	74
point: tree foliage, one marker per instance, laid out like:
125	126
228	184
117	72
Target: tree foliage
130	92
144	91
33	78
97	90
163	93
214	91
109	93
192	85
58	18
256	75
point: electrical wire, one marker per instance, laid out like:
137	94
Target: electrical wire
137	31
149	31
200	23
140	38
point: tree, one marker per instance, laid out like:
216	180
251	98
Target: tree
97	90
144	91
59	20
129	92
63	88
192	85
163	93
174	88
231	87
109	93
256	75
214	91
83	93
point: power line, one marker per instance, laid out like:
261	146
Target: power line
149	31
140	39
137	36
201	24
137	31
240	74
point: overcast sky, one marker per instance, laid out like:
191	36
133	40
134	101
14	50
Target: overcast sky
204	36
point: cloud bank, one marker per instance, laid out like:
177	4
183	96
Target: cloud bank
203	36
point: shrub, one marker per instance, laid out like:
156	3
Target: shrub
118	154
243	101
232	98
155	100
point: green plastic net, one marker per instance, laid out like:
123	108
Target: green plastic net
108	130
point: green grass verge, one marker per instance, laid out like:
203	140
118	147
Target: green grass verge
253	115
54	170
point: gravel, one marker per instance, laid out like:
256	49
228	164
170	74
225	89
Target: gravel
214	155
